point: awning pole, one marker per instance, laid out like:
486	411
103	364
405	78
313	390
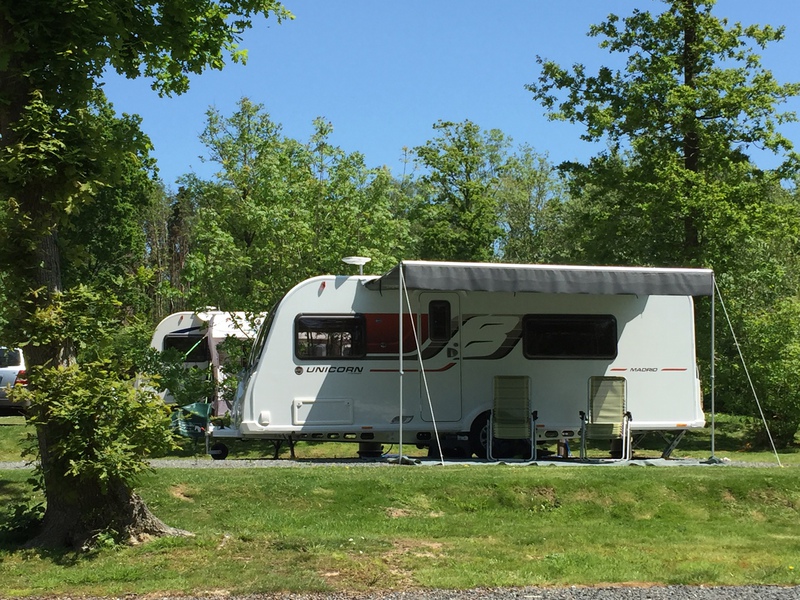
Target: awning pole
400	354
713	371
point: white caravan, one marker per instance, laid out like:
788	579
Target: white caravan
196	335
328	365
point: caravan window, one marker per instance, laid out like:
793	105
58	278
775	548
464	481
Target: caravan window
193	347
569	336
326	336
439	321
261	337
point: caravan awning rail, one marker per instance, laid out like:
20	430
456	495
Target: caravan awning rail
547	279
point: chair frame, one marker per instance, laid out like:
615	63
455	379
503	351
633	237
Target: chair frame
591	428
532	416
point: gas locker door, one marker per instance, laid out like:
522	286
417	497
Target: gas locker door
440	335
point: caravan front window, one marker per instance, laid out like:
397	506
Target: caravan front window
261	337
569	336
329	336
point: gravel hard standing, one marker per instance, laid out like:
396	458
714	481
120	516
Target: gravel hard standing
677	592
203	462
570	593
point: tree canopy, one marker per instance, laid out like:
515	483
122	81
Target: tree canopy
692	98
676	186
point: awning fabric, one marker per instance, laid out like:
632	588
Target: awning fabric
547	279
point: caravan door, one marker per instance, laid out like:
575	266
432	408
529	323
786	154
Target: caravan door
440	319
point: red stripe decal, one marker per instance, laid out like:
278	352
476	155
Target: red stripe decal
447	367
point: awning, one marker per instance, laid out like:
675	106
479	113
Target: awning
547	279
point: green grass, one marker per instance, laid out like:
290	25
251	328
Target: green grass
361	528
731	440
13	431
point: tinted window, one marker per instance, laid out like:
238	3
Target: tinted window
319	337
569	336
10	358
439	321
382	333
193	347
261	337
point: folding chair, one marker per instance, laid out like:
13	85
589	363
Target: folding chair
511	417
192	421
607	417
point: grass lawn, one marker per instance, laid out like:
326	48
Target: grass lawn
326	528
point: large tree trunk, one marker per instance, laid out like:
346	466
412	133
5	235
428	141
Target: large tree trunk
77	510
74	518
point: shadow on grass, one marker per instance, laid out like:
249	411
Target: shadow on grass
20	521
13	492
19	518
732	434
244	449
15	539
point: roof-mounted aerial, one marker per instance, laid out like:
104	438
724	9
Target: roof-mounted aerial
357	260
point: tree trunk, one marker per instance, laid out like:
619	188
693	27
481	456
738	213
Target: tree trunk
691	138
77	511
77	518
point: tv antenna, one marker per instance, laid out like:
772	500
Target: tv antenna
357	260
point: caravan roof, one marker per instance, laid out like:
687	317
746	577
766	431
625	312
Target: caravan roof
553	279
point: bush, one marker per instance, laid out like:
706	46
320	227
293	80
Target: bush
99	427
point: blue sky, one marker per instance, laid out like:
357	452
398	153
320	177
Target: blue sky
384	71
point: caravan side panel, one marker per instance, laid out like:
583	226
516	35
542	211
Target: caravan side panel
327	367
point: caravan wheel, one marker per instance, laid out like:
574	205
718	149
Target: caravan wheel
478	435
479	438
218	451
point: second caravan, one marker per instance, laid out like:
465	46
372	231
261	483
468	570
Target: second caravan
414	353
196	337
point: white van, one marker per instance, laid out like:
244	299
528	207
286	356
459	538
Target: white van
12	373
